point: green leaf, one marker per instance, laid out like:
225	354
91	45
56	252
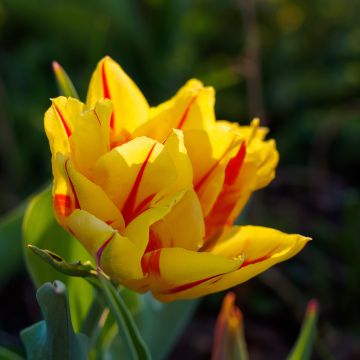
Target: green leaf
169	320
41	229
304	344
63	81
6	354
11	243
54	338
124	320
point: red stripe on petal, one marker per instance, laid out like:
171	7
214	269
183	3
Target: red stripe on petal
202	181
150	263
143	205
221	213
62	204
106	91
128	210
77	204
62	118
190	285
259	259
234	166
102	248
186	113
154	242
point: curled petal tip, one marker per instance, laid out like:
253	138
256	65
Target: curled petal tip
306	239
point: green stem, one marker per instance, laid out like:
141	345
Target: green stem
124	320
91	324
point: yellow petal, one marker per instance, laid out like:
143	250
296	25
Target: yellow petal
110	81
116	262
175	146
89	230
262	153
231	201
58	122
182	227
261	248
267	158
175	270
209	152
106	245
138	229
135	174
64	198
93	199
191	108
90	137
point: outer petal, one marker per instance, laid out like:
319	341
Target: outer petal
261	247
191	108
267	158
175	270
92	198
134	174
64	198
130	106
262	153
106	245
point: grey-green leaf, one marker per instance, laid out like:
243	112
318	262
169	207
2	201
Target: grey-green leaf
54	338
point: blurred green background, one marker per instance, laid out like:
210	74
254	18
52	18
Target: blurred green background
295	64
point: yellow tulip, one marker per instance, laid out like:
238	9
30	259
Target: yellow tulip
152	193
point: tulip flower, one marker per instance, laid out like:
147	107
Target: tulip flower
229	342
152	192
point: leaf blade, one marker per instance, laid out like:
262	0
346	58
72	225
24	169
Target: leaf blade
304	344
54	337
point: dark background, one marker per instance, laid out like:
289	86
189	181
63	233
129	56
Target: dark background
294	63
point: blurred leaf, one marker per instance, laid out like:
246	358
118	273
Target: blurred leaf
303	347
6	354
170	320
54	337
64	83
124	320
10	243
41	229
